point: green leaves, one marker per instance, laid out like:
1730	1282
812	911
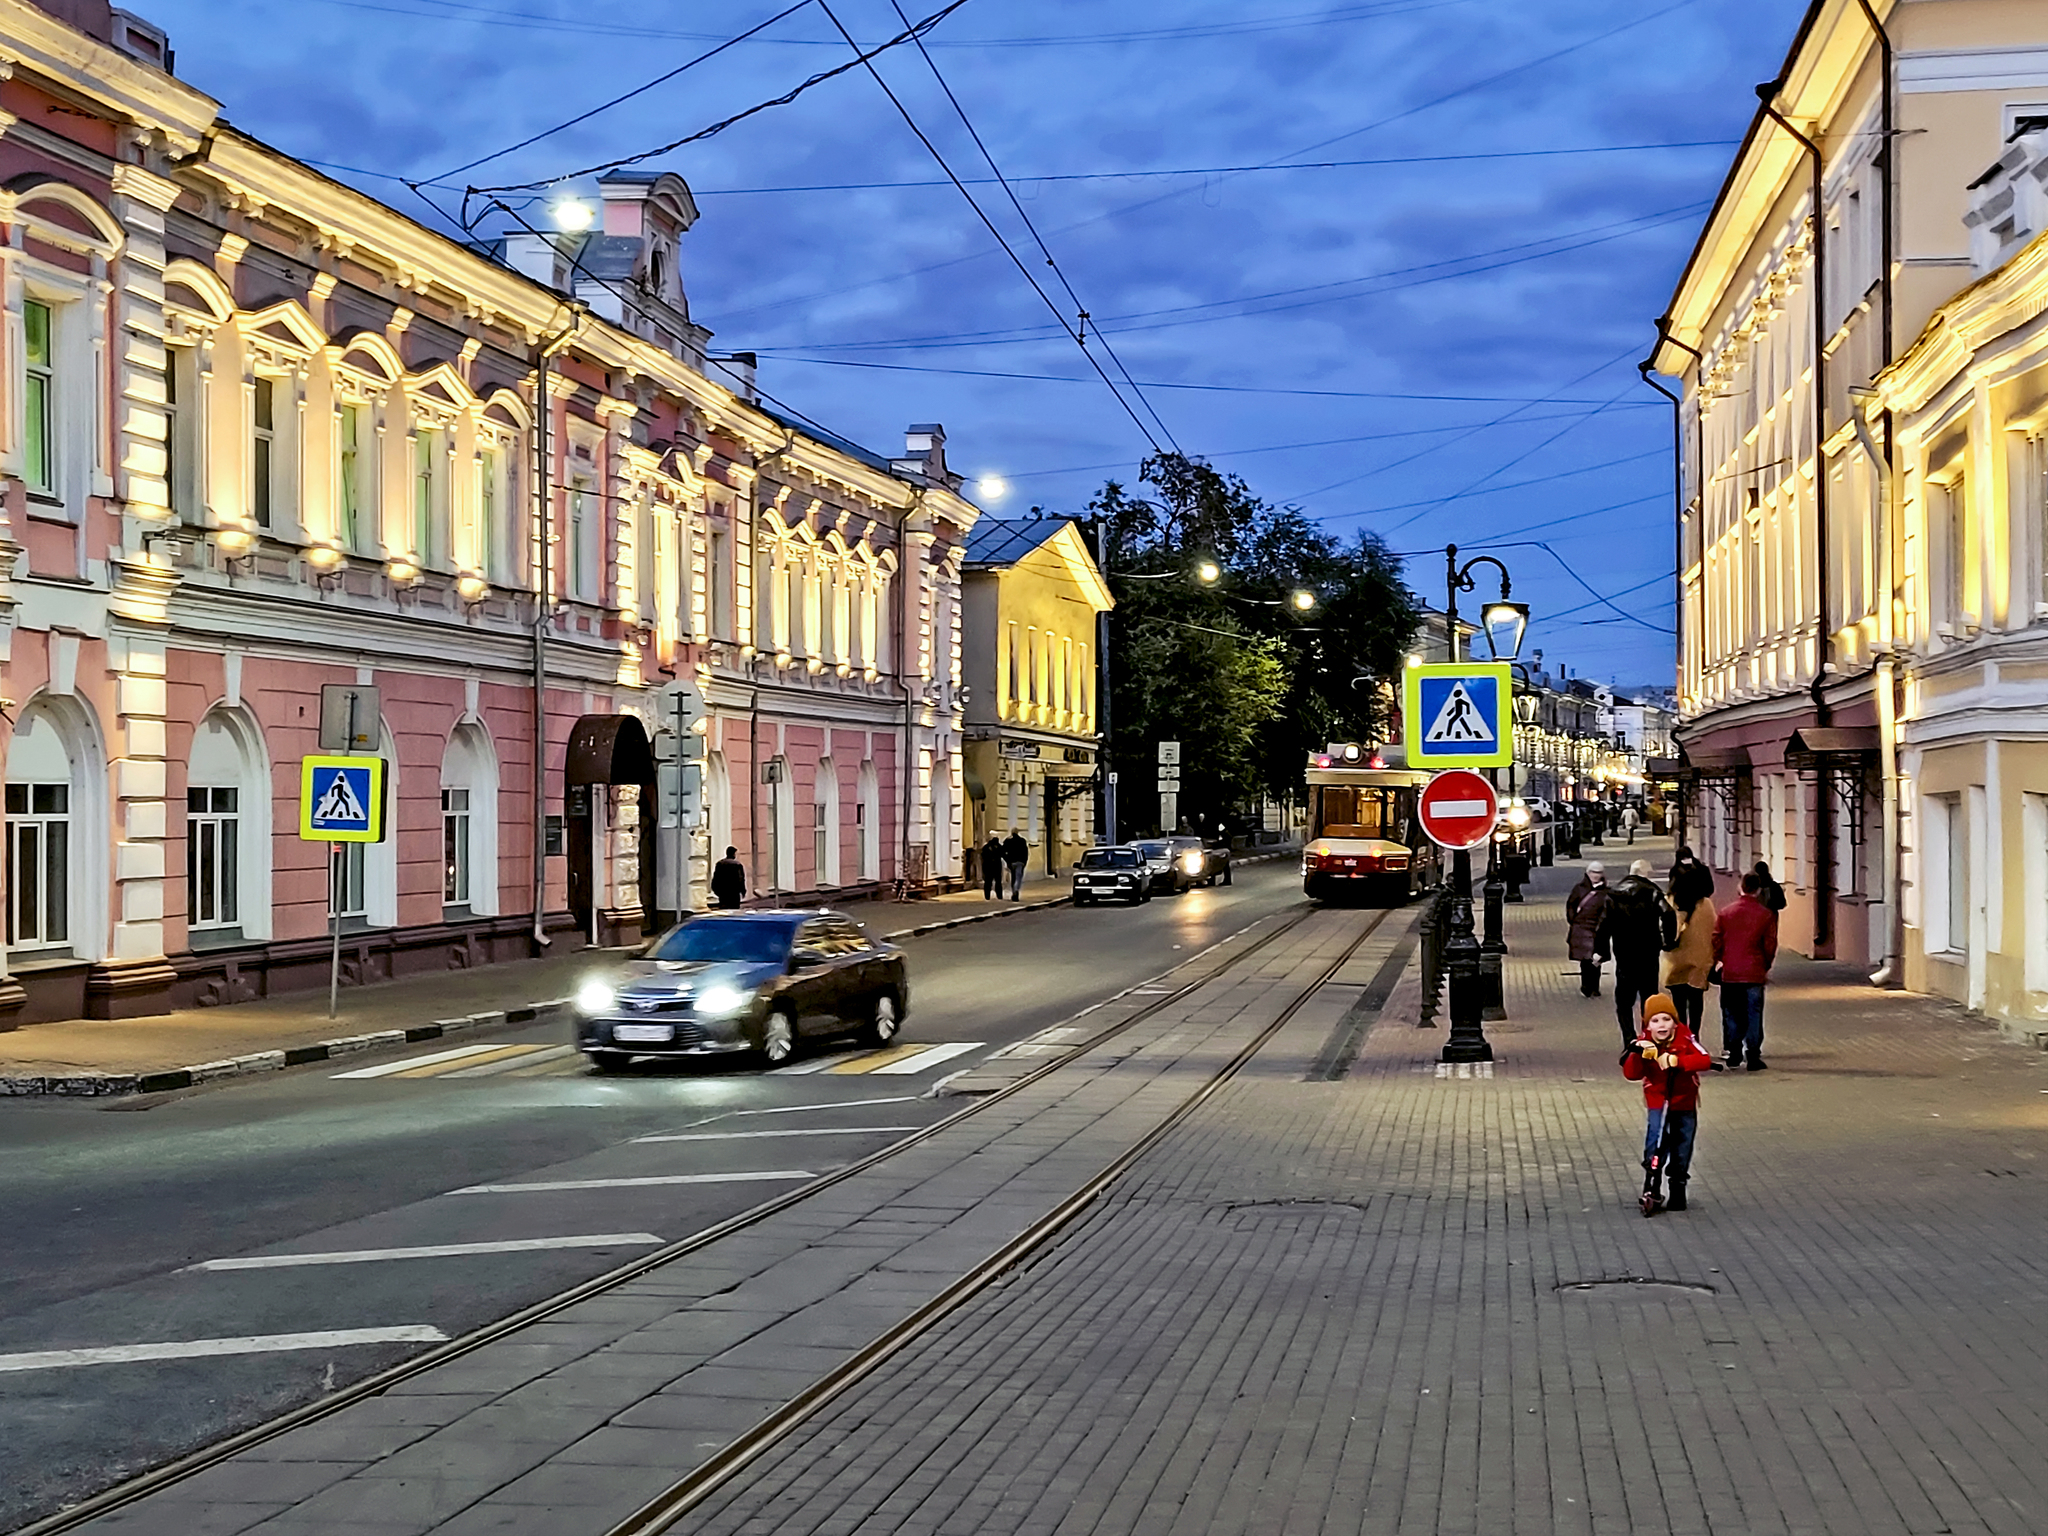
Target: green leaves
1247	683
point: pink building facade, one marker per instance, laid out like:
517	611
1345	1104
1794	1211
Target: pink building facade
260	434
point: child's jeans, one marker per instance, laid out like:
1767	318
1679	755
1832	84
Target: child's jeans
1685	1124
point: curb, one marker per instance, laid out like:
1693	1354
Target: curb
111	1084
1018	909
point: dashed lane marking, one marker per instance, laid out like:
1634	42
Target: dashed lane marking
433	1251
829	1130
765	1176
533	1060
198	1349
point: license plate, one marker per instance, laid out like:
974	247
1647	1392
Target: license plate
643	1032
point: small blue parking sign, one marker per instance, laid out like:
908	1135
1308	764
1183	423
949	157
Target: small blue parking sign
1456	716
341	800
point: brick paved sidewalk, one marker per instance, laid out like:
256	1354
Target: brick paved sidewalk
1404	1303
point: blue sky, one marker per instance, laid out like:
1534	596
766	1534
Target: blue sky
1435	339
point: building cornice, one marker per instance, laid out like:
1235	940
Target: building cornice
84	67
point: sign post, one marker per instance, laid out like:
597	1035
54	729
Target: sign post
341	801
1458	810
1169	786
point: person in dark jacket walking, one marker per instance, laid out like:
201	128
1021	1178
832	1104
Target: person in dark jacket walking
1768	891
729	880
1668	1062
1016	854
1690	880
992	868
1745	948
1636	927
1582	909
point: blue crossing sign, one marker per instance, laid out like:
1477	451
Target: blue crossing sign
341	800
1458	715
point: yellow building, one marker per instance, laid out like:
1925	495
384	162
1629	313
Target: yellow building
1030	602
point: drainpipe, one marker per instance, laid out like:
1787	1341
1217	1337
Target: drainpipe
1823	714
543	613
1699	480
1646	369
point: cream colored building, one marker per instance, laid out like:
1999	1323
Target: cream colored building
1031	595
1806	631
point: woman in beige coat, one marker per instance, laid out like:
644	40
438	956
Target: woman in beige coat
1688	962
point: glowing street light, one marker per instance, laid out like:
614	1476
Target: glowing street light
572	215
992	487
1208	573
1304	600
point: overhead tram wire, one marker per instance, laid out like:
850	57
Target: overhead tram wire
722	124
1029	277
1080	309
638	90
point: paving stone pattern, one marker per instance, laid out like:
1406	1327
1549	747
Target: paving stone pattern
1355	1306
570	1424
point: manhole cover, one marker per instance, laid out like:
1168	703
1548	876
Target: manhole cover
1639	1285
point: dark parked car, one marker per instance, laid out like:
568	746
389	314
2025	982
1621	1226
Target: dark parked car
1110	874
725	982
1165	866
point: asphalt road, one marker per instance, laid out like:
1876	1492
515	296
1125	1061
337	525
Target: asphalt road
119	1215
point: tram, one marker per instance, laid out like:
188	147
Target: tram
1364	838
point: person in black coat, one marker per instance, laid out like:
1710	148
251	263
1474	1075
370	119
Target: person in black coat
1772	894
729	880
1016	854
1690	881
1636	927
1582	910
992	869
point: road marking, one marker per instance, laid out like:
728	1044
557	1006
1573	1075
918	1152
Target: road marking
390	1068
525	1058
903	1060
1062	1039
467	1066
818	1064
1467	1070
782	1175
434	1251
197	1349
831	1130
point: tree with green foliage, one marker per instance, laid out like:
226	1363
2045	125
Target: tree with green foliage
1247	683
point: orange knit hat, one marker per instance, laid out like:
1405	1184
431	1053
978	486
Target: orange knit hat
1656	1003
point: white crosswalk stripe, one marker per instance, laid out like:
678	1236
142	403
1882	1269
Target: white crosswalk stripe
469	1062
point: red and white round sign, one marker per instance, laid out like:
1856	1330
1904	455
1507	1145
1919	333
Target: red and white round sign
1458	809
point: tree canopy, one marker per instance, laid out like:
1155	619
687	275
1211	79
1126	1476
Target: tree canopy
1245	681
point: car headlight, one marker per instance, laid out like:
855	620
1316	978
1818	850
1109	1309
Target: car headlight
595	996
716	1002
1191	862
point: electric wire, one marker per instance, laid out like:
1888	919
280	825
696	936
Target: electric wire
987	223
1038	239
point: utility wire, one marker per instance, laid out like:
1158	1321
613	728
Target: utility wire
724	123
638	90
1008	191
1029	276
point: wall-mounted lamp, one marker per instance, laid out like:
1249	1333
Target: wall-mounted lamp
237	545
472	590
404	576
329	566
170	543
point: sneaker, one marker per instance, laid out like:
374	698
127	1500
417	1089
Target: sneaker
1677	1200
1756	1064
1733	1058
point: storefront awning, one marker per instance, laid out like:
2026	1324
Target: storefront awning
1725	760
1832	741
608	749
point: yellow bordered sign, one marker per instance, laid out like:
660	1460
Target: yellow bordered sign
1458	715
341	799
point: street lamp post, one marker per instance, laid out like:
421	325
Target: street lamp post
1474	965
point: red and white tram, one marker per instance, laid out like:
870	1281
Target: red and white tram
1364	839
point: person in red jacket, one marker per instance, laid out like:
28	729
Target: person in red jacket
1668	1062
1745	947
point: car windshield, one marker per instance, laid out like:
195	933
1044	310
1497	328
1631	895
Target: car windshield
1109	858
1153	850
723	939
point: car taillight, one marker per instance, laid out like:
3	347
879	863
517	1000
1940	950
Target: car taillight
1395	862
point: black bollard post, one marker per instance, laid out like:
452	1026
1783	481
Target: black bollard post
1461	958
1493	946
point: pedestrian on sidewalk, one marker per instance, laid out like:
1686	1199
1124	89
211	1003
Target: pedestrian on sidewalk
1582	911
992	868
1667	1061
1629	822
1636	927
1769	892
1745	948
1016	854
1689	963
729	880
1690	879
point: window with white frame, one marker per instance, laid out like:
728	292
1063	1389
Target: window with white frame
347	889
352	461
585	537
722	584
824	863
490	503
2027	476
455	847
39	396
1948	525
1948	865
38	864
213	875
2034	876
263	450
429	495
793	605
181	431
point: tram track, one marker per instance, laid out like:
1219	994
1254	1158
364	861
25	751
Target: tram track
148	1483
662	1513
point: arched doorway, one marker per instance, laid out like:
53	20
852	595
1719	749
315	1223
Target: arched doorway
606	752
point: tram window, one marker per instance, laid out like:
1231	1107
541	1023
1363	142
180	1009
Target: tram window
1366	812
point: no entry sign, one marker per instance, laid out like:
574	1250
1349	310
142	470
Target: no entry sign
1458	809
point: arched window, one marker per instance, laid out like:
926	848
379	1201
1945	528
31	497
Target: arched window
868	816
227	832
718	802
469	824
363	883
825	824
56	830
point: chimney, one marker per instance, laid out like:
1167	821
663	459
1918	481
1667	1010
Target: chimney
924	458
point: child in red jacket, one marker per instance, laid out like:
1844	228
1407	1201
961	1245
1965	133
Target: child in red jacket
1667	1061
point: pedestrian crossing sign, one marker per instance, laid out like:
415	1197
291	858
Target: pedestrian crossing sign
341	800
1458	715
